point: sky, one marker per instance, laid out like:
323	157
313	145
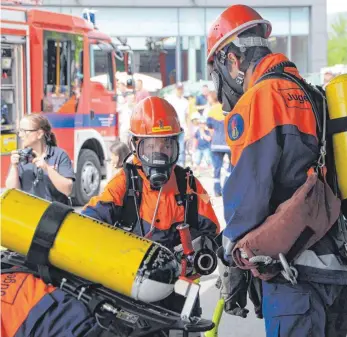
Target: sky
335	6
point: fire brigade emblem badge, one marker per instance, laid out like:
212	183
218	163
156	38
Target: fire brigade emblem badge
161	127
236	127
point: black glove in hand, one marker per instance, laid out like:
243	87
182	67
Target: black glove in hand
234	289
255	292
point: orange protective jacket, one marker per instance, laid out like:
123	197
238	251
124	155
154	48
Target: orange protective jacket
273	140
31	308
108	208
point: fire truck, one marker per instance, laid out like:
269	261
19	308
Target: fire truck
63	67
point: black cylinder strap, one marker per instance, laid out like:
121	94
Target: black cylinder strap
45	235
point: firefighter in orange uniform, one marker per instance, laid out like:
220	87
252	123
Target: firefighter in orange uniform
29	307
149	196
272	135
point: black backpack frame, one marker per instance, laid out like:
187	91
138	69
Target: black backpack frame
134	187
316	96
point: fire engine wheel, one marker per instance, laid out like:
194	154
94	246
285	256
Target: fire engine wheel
88	177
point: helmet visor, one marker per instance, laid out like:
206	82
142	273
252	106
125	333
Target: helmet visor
158	152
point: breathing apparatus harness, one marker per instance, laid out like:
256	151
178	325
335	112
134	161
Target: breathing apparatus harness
203	260
134	187
325	129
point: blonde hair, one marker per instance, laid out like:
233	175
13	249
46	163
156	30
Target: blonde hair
41	123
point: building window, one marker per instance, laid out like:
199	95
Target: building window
191	21
279	44
167	27
101	69
155	57
300	30
192	53
62	71
300	53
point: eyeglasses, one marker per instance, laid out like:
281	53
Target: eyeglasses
25	131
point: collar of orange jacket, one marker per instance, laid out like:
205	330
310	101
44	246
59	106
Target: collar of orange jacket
269	61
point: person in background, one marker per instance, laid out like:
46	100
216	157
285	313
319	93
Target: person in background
123	89
122	93
191	105
119	151
181	105
194	124
328	76
219	147
202	146
141	93
125	112
46	171
201	100
4	113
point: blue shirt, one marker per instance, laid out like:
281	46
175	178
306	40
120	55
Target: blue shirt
203	144
39	184
215	121
200	101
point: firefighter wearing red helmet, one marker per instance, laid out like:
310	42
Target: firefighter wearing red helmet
147	196
271	129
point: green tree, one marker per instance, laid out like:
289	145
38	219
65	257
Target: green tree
337	43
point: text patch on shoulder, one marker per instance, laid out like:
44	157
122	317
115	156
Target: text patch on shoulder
295	98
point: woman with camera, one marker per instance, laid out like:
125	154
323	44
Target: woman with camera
40	168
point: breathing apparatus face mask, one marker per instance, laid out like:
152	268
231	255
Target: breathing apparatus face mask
228	90
158	155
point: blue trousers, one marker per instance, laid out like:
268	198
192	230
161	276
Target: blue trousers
200	154
306	309
217	162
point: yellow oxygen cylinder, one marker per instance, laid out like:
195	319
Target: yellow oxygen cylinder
336	93
90	249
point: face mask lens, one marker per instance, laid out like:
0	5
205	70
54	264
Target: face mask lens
158	152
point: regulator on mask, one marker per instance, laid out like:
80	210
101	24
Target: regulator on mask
158	156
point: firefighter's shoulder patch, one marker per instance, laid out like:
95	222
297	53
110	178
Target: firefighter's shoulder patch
236	126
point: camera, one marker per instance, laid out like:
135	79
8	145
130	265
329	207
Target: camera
26	155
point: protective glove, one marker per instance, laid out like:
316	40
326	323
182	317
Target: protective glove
240	280
255	292
234	285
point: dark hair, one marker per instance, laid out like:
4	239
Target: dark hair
41	123
121	150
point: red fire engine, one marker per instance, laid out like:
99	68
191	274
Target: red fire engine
63	67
